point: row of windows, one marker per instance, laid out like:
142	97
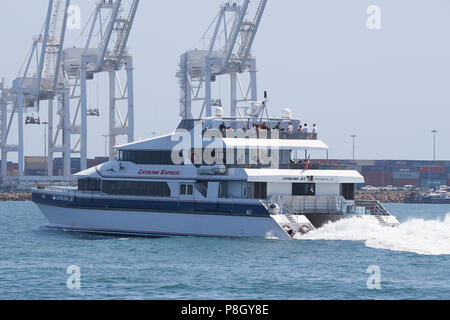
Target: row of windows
90	185
303	189
136	188
146	157
256	190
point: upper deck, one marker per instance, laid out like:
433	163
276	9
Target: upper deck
286	129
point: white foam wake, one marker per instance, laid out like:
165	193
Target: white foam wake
426	237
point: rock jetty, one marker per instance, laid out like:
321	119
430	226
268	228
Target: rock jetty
15	197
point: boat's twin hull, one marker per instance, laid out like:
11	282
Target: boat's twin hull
142	223
150	223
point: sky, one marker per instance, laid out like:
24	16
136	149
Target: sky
390	87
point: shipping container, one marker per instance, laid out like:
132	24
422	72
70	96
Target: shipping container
35	163
372	168
434	176
377	179
406	175
440	169
406	182
13	165
33	159
430	184
404	169
92	163
37	172
365	163
429	163
102	159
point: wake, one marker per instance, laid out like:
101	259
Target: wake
425	237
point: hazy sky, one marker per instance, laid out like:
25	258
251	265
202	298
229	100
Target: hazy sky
390	87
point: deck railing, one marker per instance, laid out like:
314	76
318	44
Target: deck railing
373	207
62	191
294	205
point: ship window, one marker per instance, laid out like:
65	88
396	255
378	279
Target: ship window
89	184
147	157
303	189
136	188
186	189
348	191
233	189
260	190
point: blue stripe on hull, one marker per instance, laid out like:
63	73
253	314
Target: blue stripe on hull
153	205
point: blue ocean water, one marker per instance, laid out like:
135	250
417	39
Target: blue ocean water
331	263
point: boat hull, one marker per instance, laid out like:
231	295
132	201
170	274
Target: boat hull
153	224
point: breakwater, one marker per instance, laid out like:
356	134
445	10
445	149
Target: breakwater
383	196
4	197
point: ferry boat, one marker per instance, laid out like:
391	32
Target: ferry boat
211	178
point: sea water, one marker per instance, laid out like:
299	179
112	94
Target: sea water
340	261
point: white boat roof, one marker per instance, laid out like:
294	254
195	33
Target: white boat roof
286	175
165	143
159	143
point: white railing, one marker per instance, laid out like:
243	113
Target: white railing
62	191
294	205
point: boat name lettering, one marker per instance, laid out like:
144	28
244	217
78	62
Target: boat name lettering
159	172
294	179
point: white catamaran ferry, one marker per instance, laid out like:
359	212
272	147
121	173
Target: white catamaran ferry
248	175
247	182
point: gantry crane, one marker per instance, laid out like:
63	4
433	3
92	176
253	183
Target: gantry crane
41	82
200	68
61	75
109	54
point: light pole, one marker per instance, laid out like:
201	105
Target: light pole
45	123
106	136
353	136
434	132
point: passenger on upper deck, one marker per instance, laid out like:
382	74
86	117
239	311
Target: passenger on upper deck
314	128
278	126
290	128
305	128
223	129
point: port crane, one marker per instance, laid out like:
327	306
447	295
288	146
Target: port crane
54	74
109	54
39	79
199	69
